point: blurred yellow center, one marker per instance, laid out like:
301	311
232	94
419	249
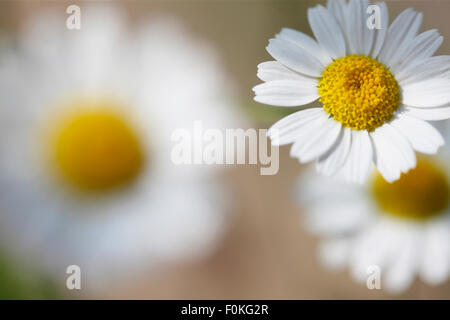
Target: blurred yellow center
359	92
419	194
97	149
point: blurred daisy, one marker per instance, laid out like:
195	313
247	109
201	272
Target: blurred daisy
86	171
401	227
374	90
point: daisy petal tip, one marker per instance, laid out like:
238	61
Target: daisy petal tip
261	65
391	177
304	160
275	141
271	43
255	90
293	154
435	149
261	99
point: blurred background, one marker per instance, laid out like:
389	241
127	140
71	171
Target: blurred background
265	253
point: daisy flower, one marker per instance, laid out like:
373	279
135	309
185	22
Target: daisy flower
401	227
87	117
368	92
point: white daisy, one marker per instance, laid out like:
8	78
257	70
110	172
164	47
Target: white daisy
401	227
374	90
87	117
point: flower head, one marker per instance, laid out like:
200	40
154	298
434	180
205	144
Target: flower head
401	227
86	171
368	92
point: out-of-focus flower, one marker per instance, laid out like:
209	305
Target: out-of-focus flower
401	227
87	117
368	91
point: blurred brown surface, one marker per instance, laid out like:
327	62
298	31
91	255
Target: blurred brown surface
265	254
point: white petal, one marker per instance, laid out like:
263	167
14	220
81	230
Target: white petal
429	114
423	46
422	136
430	68
375	246
274	70
294	57
435	267
393	153
287	93
336	218
334	159
399	36
380	34
359	35
339	9
313	188
334	253
401	273
315	138
427	93
285	130
359	161
327	31
305	42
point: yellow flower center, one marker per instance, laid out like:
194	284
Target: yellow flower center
421	193
359	92
95	147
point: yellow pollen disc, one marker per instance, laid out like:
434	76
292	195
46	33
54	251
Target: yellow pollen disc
96	148
421	193
359	92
